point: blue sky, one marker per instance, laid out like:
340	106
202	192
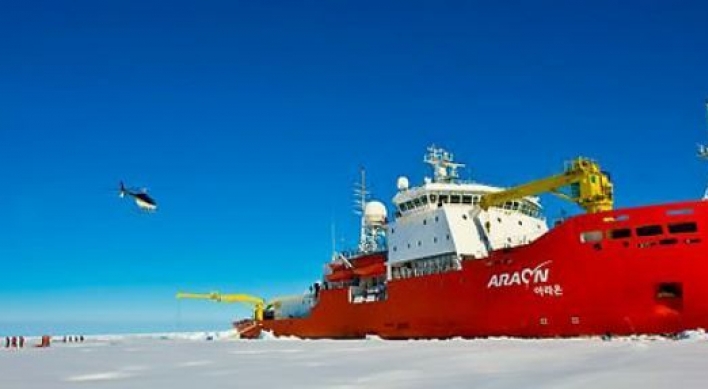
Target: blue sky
249	120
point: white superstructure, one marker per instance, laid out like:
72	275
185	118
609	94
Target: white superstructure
439	222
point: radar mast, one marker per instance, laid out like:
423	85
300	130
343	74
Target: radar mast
444	169
703	150
372	228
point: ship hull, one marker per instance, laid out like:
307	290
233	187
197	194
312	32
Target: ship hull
561	285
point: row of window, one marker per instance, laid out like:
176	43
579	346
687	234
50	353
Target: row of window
524	207
432	265
420	242
643	231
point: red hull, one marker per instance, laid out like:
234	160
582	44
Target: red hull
555	286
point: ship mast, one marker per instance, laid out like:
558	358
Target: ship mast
703	151
361	194
372	228
444	170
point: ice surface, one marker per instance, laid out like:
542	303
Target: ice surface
189	360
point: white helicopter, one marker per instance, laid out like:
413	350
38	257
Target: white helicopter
141	198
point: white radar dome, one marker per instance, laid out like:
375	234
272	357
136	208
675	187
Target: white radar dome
375	213
402	183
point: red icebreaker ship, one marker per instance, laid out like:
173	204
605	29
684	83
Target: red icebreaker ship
472	260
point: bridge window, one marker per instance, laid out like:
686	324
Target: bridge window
683	228
466	199
650	230
443	199
621	233
455	199
433	198
416	202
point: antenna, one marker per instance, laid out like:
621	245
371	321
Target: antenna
334	240
444	169
703	150
360	202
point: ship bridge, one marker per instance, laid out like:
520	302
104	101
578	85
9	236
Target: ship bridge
440	221
432	195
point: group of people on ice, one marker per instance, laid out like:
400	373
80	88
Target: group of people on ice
14	342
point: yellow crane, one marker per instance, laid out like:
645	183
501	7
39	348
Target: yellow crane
257	303
590	187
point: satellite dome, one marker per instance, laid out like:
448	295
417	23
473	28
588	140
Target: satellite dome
402	183
375	213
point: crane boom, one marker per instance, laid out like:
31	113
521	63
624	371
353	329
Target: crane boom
590	187
257	302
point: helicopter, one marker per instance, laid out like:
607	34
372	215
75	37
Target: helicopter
142	200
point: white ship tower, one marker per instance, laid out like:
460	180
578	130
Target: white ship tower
439	223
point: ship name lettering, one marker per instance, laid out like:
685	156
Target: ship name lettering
526	276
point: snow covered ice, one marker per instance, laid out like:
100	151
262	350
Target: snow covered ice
178	361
